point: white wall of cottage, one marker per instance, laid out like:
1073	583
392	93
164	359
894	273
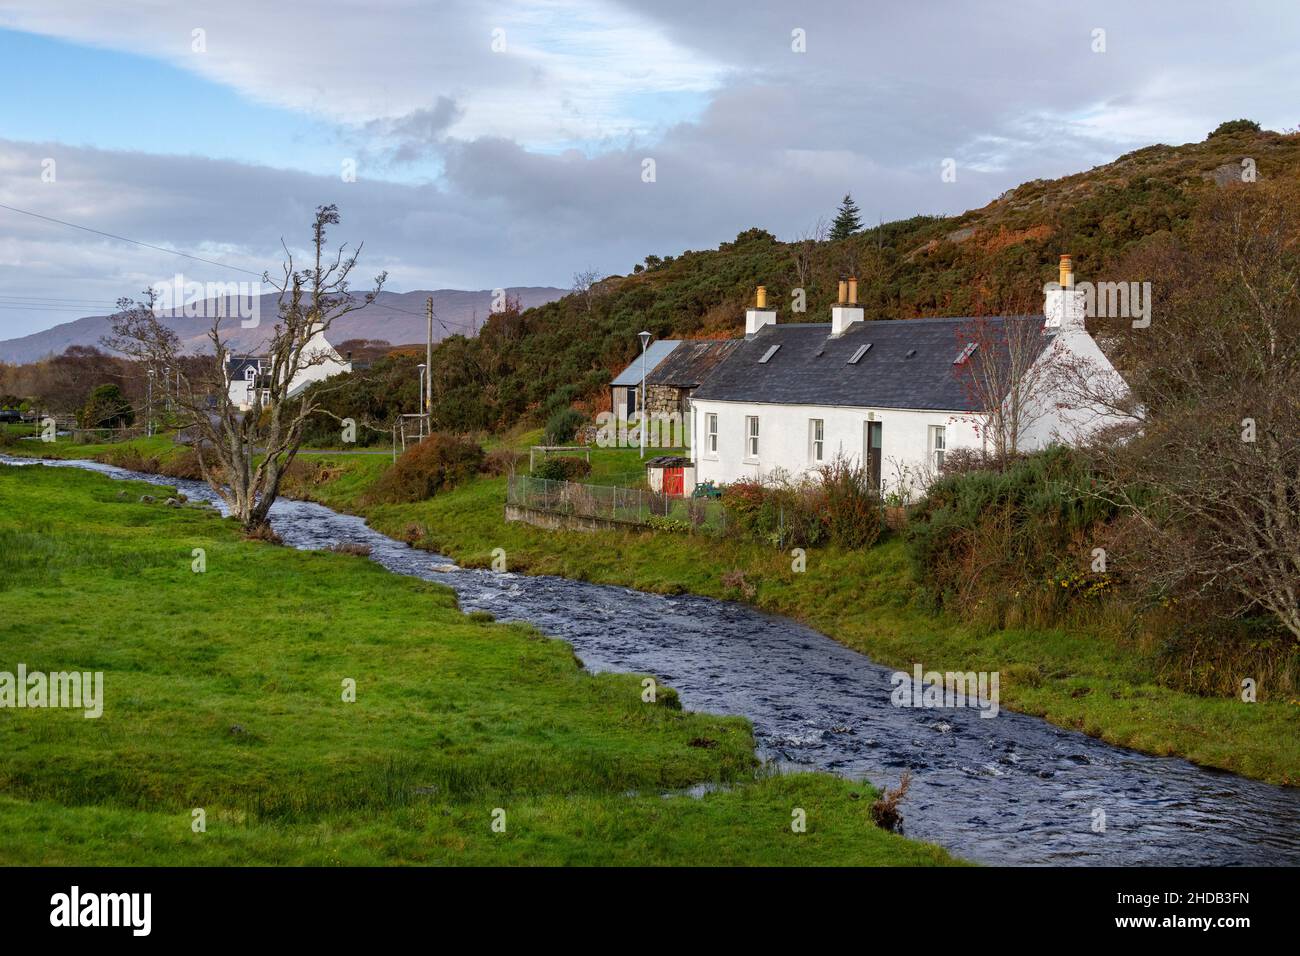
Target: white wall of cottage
785	440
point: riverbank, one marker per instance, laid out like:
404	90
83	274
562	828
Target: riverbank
224	696
866	600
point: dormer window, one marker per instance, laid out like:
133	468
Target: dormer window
250	373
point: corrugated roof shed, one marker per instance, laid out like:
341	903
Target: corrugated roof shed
692	362
655	353
909	364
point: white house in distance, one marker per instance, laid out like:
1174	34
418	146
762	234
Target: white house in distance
246	375
885	394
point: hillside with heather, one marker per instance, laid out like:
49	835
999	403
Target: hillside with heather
991	260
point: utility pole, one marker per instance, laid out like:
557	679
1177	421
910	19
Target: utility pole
428	363
641	422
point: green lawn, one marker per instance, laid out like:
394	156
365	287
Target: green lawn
223	691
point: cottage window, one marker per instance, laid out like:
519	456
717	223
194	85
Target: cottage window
751	433
938	445
817	434
711	433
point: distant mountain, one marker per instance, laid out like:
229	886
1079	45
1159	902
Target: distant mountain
396	317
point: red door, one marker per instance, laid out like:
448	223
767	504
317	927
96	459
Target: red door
673	481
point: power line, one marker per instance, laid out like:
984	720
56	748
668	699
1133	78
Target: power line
46	298
147	245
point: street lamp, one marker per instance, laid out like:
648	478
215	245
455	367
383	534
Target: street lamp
149	405
645	340
422	368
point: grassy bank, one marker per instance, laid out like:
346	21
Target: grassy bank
866	600
224	694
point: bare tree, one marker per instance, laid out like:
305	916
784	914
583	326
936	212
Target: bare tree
310	301
805	250
998	364
585	285
1209	466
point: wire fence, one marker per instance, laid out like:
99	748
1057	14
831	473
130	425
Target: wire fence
632	506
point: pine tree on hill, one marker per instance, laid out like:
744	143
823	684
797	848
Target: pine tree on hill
848	220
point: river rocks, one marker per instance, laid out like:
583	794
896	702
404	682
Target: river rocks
147	499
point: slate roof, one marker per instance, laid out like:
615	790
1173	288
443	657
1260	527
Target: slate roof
655	353
692	362
812	368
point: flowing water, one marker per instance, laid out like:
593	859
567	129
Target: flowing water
1011	789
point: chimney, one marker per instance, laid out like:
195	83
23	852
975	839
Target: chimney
1063	304
759	314
845	312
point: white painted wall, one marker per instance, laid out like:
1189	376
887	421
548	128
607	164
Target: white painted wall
1075	368
785	441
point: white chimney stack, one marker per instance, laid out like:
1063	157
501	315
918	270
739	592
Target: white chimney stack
845	312
1063	304
759	314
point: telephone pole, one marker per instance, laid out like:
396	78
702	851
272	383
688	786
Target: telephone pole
428	369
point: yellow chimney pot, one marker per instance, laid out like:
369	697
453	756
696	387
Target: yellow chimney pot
844	292
853	290
760	300
1067	272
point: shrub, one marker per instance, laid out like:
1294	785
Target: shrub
675	525
563	469
502	461
563	425
1236	126
356	548
851	506
778	511
106	408
436	464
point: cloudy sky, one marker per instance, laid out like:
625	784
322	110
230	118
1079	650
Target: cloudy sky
504	143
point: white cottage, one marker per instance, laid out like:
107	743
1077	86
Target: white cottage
247	376
887	394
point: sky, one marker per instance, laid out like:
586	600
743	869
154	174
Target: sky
478	145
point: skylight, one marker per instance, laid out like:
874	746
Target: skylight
857	356
768	354
911	353
965	353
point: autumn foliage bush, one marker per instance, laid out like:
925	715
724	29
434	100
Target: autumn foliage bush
440	462
837	506
561	468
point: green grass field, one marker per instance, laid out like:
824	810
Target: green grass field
224	692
